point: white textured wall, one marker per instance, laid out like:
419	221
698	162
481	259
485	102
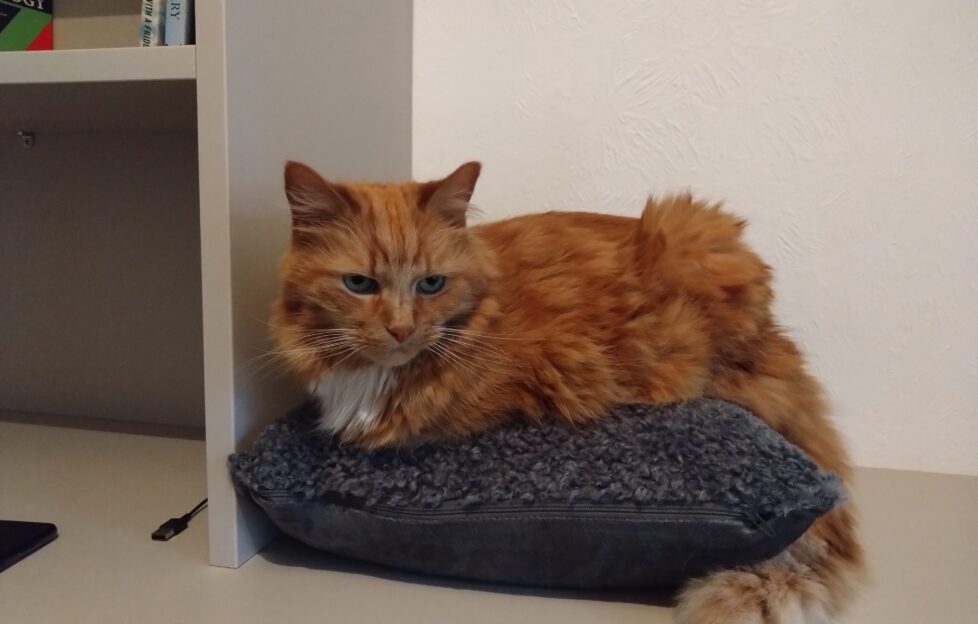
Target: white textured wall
847	132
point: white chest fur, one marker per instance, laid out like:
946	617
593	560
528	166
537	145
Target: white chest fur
352	400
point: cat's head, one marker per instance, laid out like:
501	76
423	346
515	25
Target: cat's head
375	272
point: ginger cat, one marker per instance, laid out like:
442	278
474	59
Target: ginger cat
409	325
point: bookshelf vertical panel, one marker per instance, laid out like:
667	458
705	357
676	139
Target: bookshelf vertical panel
327	82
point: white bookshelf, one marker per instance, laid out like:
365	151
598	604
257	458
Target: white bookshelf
140	233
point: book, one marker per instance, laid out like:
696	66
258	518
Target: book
26	25
152	21
179	29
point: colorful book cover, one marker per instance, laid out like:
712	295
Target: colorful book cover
152	22
26	25
179	28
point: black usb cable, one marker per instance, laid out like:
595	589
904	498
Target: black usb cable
175	526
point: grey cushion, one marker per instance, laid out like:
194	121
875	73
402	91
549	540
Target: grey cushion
646	497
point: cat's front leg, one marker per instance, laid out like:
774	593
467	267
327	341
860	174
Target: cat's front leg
402	426
392	429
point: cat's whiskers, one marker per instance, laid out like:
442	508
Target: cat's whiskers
326	344
352	352
481	334
473	343
483	345
456	359
261	363
318	336
312	338
337	351
441	358
480	356
481	348
305	329
278	358
314	343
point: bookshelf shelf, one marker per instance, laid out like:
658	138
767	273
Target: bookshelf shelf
98	65
106	89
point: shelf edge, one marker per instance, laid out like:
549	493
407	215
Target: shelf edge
98	65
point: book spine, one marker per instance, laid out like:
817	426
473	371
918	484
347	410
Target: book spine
179	22
152	16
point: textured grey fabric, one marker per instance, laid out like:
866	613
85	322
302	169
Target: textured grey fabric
647	496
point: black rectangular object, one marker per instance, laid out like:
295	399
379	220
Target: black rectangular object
20	539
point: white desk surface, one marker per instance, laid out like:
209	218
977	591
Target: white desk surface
108	491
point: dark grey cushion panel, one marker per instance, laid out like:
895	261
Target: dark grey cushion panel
646	497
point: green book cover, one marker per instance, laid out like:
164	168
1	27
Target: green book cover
26	25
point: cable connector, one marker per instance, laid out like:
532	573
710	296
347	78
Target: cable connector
176	526
173	526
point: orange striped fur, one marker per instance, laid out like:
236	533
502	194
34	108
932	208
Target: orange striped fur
560	315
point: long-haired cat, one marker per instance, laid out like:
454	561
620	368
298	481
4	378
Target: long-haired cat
409	325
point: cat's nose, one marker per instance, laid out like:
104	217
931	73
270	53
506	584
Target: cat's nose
401	332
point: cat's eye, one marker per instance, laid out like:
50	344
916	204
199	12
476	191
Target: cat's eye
360	284
431	285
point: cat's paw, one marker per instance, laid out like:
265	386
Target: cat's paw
767	594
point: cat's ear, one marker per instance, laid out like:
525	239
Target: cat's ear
449	198
313	200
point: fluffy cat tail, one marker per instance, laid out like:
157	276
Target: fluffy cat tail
806	584
699	246
780	592
695	248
